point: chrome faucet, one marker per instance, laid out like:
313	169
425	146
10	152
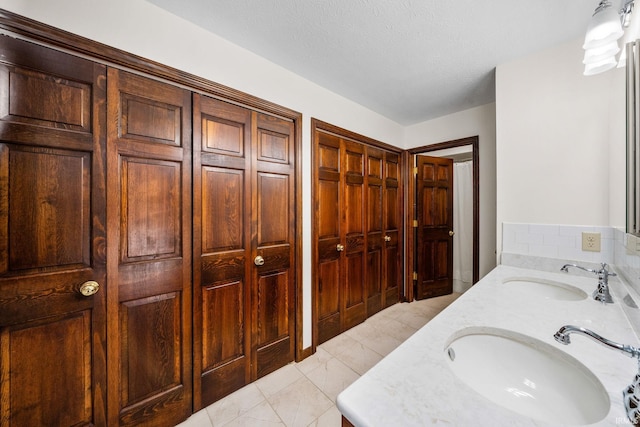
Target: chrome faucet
631	394
602	291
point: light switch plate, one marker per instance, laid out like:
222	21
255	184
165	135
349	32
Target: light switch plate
591	242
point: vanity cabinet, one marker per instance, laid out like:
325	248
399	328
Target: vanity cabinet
149	231
357	223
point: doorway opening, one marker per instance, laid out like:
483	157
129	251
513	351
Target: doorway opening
465	149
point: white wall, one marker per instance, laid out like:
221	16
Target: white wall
559	141
139	27
475	121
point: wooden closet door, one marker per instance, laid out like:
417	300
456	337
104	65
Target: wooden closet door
244	266
329	210
392	213
355	206
149	255
222	249
375	240
273	243
52	238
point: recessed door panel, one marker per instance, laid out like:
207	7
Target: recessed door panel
48	207
223	209
62	361
151	209
151	359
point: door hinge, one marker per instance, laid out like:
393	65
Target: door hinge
415	223
415	276
415	170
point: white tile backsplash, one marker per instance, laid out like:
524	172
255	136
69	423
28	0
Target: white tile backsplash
556	241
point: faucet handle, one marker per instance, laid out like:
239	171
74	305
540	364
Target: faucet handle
605	271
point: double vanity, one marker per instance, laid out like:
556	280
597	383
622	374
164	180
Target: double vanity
490	358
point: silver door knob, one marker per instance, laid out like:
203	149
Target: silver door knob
451	233
387	238
89	288
339	247
258	261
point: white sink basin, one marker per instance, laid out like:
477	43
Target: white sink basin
527	376
549	289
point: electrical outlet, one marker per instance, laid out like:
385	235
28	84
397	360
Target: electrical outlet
591	242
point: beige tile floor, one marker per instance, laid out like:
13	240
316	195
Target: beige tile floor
304	394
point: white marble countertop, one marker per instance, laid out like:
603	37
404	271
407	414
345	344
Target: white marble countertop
414	386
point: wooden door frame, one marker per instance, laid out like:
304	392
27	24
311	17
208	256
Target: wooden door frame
318	125
410	208
47	35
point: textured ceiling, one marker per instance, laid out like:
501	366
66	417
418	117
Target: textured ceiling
409	60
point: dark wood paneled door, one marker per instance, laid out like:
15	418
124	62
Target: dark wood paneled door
52	238
355	249
273	243
329	208
149	253
375	229
341	226
392	285
434	257
244	246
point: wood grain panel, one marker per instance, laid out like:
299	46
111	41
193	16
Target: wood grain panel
374	281
273	147
150	120
224	329
151	205
329	213
374	211
223	136
329	288
273	305
328	155
151	359
62	361
276	209
50	216
222	200
31	95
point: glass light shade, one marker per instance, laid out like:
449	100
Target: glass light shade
631	33
603	28
597	54
601	66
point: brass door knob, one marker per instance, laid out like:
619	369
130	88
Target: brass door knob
387	238
258	261
89	288
339	247
451	233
